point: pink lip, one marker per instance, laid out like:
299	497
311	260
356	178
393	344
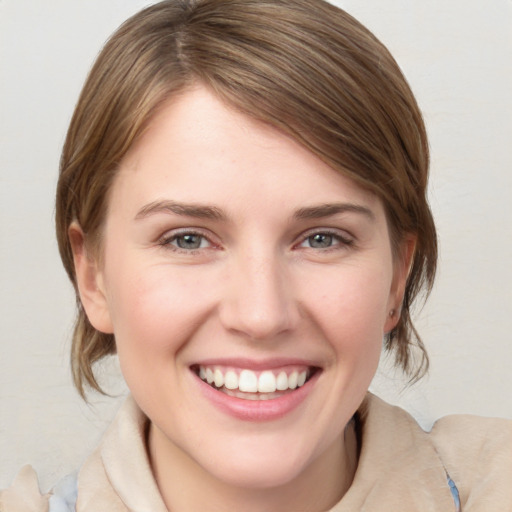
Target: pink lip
255	410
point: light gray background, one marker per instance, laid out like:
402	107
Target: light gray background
457	55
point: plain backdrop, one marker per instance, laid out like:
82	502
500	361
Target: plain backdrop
457	55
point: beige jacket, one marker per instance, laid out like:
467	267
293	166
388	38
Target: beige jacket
401	468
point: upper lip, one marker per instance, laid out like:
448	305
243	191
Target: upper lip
257	364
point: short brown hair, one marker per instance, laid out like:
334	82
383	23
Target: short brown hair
303	66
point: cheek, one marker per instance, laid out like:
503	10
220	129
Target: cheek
352	311
154	313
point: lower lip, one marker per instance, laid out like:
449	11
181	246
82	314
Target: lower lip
257	410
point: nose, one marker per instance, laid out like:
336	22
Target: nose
259	302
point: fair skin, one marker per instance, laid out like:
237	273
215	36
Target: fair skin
229	249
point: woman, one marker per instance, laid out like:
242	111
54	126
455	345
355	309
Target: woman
242	211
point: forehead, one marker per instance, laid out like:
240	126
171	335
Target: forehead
198	149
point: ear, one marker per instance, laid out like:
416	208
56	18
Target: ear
89	281
402	267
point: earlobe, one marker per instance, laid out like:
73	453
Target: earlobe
402	269
89	281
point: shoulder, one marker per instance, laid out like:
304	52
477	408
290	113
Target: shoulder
463	458
24	494
477	453
474	440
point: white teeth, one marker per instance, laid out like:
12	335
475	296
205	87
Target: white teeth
218	378
248	382
230	380
282	381
293	380
267	383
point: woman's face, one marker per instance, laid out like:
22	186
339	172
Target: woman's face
231	253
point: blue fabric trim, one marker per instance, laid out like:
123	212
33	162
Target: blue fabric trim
455	493
64	495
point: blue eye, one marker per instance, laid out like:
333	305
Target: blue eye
326	240
187	241
321	240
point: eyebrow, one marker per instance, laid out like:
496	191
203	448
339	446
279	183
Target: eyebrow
187	210
329	209
201	211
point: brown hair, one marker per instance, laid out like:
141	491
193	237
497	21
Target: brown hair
303	66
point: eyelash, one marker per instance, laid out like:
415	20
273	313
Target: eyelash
339	241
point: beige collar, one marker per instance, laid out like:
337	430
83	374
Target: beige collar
398	467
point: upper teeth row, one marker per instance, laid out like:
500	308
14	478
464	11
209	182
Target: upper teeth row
249	382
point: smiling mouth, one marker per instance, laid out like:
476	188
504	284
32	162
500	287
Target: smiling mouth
252	385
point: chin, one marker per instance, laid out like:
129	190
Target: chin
251	475
253	464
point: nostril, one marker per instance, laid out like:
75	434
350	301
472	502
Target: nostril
258	322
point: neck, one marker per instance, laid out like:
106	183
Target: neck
318	488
